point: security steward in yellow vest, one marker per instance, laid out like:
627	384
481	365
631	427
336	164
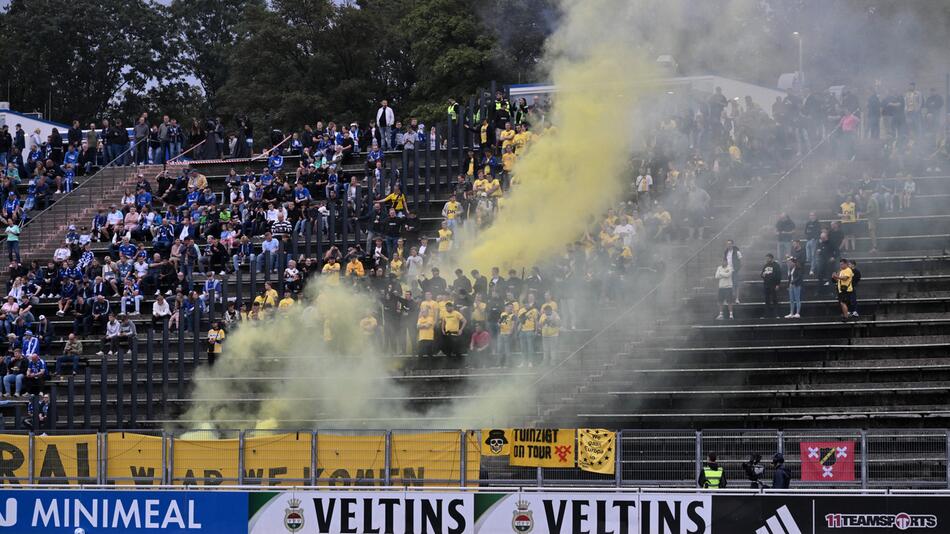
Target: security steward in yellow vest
713	475
453	110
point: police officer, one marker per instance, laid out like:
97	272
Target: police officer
713	475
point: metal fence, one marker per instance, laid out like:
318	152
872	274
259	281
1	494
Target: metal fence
899	459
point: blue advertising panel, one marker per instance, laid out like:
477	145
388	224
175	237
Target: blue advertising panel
128	512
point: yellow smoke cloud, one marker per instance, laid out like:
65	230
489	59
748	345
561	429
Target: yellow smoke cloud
307	363
573	171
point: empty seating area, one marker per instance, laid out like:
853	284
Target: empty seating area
886	368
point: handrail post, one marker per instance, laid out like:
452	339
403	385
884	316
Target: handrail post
241	457
864	459
618	458
699	454
389	456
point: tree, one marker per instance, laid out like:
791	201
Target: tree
203	31
74	57
451	50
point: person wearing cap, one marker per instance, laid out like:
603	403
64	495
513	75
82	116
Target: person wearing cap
782	478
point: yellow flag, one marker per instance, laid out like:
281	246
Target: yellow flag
542	447
496	442
133	459
596	450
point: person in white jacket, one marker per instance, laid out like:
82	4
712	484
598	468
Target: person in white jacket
385	119
724	277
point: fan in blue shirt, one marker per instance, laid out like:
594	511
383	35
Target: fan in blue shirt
127	249
143	198
275	162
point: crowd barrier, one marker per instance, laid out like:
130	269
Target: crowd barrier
472	458
462	510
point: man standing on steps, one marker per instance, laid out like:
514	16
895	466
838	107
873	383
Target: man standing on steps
724	278
844	279
771	280
733	258
385	118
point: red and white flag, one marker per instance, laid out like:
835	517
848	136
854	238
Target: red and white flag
827	461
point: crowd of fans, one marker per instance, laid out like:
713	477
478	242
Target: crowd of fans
176	239
906	140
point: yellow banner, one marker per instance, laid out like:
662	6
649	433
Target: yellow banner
133	459
432	458
14	459
425	459
542	447
57	459
66	459
596	450
351	460
204	462
277	459
495	442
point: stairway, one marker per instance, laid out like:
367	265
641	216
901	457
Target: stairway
43	233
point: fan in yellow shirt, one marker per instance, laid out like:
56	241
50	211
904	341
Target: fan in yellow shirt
453	323
493	188
506	329
521	139
507	135
848	211
332	271
425	325
216	337
397	200
845	281
484	132
445	237
607	237
527	325
368	325
508	159
550	325
479	310
443	302
396	266
355	268
285	302
451	208
480	184
430	305
268	297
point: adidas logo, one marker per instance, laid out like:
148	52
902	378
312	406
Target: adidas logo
780	523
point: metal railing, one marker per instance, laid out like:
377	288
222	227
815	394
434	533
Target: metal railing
46	223
882	458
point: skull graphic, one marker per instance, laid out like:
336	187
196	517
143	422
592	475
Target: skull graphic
496	440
